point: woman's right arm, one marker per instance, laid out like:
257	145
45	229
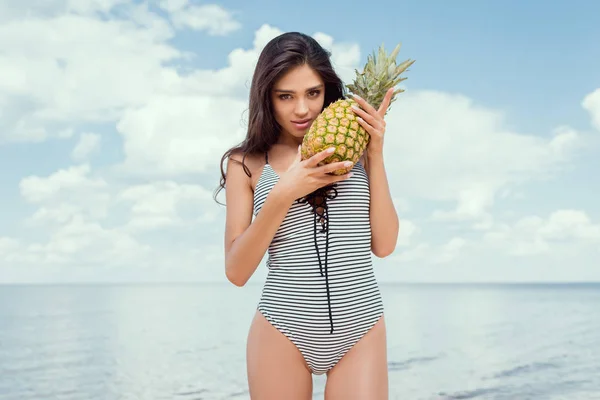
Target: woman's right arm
247	241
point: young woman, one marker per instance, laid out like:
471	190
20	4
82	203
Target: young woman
320	310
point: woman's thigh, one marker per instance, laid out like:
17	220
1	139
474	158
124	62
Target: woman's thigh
363	372
276	369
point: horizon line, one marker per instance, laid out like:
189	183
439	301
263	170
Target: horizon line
382	283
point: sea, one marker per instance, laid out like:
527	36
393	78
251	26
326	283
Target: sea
187	341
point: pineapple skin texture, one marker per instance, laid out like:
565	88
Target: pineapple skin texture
336	126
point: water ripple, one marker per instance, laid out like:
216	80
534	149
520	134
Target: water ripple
470	394
526	368
401	365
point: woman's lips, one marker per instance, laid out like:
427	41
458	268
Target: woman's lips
303	124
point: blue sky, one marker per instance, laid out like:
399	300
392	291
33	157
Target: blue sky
113	116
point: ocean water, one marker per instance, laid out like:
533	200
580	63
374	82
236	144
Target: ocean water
187	342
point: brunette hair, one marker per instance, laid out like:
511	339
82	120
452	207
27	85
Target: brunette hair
282	53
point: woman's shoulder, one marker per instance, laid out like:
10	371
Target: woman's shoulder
253	163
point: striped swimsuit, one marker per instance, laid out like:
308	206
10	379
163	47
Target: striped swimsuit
321	291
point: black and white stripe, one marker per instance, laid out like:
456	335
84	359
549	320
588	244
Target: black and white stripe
294	298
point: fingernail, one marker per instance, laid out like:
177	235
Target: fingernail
331	149
350	174
348	163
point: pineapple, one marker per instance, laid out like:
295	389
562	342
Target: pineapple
337	125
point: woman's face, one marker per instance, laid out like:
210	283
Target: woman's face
298	99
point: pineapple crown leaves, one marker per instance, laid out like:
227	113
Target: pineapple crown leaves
379	74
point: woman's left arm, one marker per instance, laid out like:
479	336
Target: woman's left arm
384	219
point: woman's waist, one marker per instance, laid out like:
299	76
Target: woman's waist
296	262
311	274
309	244
352	293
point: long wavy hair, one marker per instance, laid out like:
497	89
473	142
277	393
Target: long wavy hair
286	51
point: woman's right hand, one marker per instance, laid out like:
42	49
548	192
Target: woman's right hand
304	177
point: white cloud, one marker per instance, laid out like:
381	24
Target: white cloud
61	71
7	245
591	103
407	230
11	10
88	243
445	148
64	182
65	195
212	18
534	235
173	5
75	242
411	246
14	124
180	134
162	204
84	221
450	250
235	77
402	204
87	144
35	189
426	253
345	57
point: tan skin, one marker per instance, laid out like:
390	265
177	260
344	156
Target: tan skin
276	369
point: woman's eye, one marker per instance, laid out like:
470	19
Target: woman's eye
313	93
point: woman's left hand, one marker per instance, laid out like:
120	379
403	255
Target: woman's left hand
373	120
